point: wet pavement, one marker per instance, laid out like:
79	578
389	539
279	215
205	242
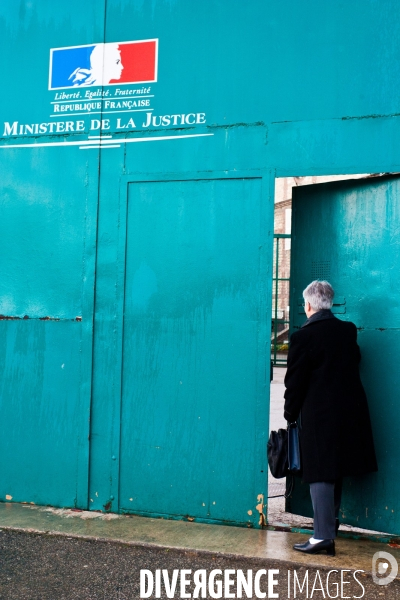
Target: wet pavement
52	554
235	542
47	567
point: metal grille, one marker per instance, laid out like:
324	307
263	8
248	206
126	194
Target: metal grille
321	269
280	299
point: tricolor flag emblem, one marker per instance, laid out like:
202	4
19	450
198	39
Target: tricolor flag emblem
113	63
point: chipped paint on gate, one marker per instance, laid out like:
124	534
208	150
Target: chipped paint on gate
26	317
260	507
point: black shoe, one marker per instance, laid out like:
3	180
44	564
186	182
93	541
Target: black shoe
324	545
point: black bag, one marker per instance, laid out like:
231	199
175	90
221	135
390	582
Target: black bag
277	452
283	451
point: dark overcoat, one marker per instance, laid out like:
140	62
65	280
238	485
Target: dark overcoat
323	384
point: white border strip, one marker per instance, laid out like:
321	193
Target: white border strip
100	112
105	143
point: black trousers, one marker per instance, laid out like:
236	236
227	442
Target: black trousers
326	497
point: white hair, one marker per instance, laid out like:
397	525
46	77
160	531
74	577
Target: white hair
319	294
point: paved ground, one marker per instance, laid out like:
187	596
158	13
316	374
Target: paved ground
53	554
43	567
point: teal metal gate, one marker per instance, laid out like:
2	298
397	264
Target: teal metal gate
69	155
344	232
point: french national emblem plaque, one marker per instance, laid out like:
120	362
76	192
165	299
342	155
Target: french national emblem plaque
111	63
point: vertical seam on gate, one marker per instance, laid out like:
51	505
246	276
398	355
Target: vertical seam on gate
95	291
125	255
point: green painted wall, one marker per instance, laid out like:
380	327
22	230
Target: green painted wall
281	89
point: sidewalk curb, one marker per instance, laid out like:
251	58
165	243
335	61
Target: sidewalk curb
289	564
259	546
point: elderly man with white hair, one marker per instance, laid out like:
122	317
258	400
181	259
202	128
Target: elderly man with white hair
324	392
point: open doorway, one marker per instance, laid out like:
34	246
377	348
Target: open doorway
281	324
282	258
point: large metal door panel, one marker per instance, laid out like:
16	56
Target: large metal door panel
194	350
43	445
347	232
48	239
